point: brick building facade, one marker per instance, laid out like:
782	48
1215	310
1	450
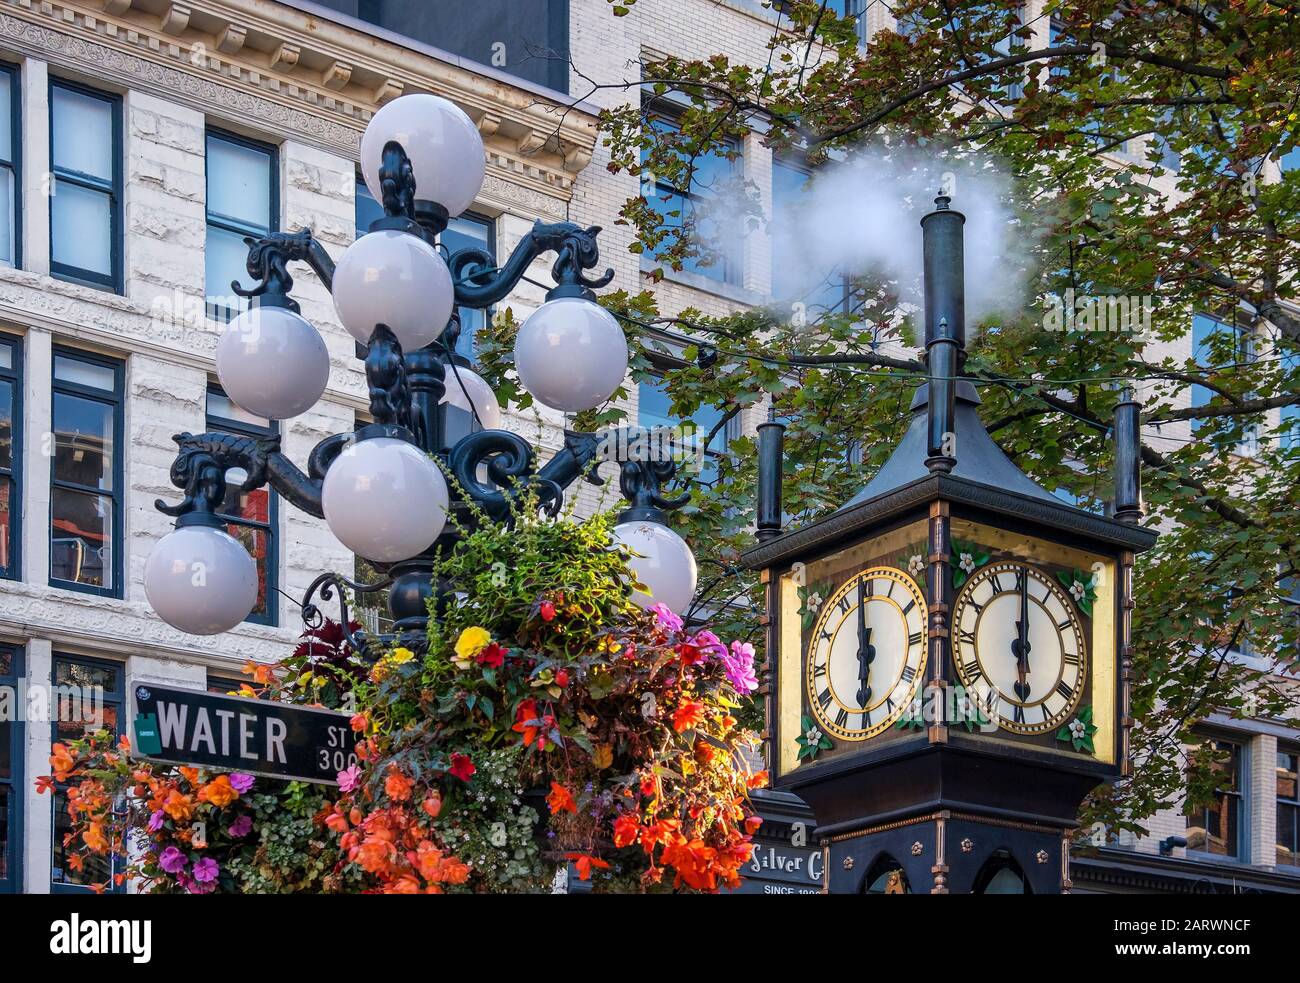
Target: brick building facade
111	301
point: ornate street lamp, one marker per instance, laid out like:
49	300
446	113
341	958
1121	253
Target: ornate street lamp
382	490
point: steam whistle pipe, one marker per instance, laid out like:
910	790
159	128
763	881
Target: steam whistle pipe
771	451
945	328
1128	459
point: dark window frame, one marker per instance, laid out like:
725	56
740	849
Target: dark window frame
16	784
113	281
118	401
730	264
660	366
465	345
14	474
243	428
1292	805
229	224
1238	795
15	165
117	696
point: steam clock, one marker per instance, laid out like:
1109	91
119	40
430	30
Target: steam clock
948	653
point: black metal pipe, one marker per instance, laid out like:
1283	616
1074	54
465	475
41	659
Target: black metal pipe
1128	459
771	451
945	328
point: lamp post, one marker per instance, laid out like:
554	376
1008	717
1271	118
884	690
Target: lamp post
382	489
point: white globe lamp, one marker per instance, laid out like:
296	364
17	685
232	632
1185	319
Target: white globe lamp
571	354
200	579
469	391
443	144
384	499
272	362
661	561
396	279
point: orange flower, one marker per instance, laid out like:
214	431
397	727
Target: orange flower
62	761
95	839
626	830
191	775
561	800
584	862
752	823
432	805
527	712
689	714
375	854
219	792
704	752
358	722
178	806
397	785
45	784
757	780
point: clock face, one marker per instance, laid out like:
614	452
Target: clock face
866	654
1017	639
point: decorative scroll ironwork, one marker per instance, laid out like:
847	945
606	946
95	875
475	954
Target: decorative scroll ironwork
200	468
269	258
390	395
641	483
329	584
478	284
397	182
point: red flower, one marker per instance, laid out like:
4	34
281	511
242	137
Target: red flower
689	714
526	721
462	767
358	722
547	611
493	656
562	678
561	800
584	862
626	830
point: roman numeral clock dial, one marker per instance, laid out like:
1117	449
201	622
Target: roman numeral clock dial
866	654
1018	646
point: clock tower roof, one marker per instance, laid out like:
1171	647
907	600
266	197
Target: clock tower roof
978	458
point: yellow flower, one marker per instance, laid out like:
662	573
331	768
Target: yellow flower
401	655
472	641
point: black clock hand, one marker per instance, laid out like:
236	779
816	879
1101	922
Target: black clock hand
866	651
1020	646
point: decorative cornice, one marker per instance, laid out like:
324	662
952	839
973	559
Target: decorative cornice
302	78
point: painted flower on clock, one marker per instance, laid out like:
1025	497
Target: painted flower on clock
812	741
1079	731
1082	588
916	565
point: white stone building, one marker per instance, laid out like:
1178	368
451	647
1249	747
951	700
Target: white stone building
140	139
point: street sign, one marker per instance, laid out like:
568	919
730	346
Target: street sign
234	733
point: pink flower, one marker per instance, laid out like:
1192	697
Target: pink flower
708	642
241	827
241	782
665	618
740	667
349	779
206	870
172	860
156	821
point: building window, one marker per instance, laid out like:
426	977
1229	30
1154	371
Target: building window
250	516
470	232
696	215
86	474
1215	829
12	789
86	196
223	685
654	409
11	210
11	455
242	200
1216	344
89	696
1288	809
820	291
368	210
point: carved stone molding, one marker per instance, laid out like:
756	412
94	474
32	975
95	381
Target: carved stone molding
299	76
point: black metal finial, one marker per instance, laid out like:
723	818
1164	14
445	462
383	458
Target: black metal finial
1128	458
771	453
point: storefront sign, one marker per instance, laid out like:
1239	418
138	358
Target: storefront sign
233	733
784	862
